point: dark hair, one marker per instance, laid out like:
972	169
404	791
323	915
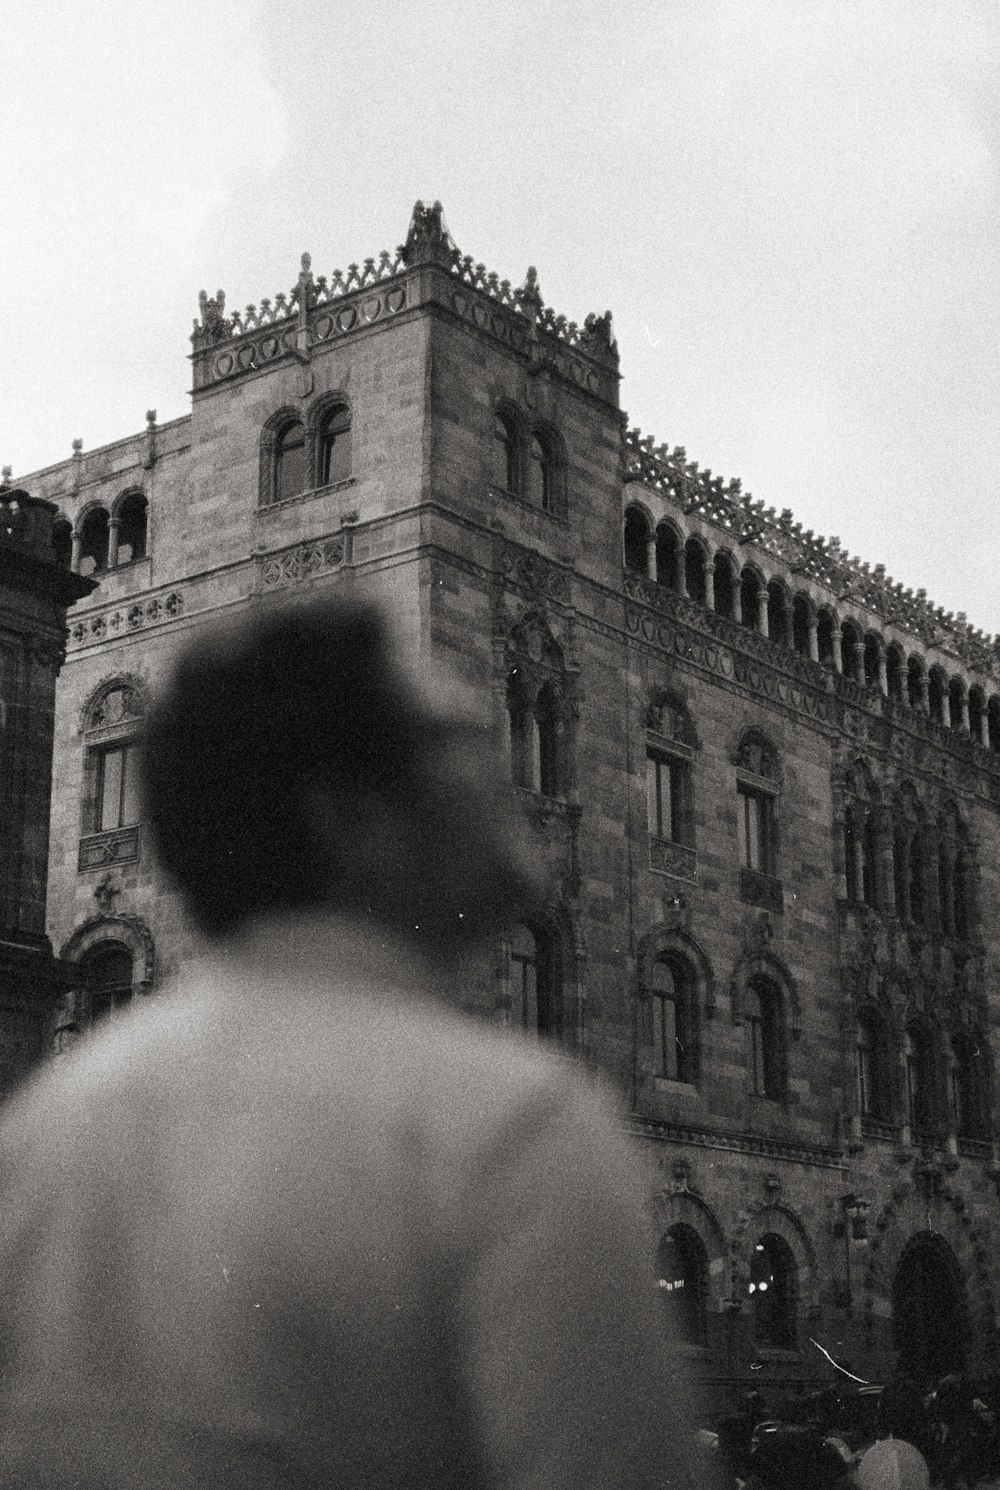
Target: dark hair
256	714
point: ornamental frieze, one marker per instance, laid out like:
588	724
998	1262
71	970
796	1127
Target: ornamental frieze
123	620
301	562
528	571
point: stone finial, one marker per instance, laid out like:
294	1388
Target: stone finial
427	240
77	447
151	418
529	297
149	454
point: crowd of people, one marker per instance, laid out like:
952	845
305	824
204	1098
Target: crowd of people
907	1435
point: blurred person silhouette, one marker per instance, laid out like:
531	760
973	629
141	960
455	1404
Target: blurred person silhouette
302	1222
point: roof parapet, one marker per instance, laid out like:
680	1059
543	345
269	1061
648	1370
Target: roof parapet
428	242
823	560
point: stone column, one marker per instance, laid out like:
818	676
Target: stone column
112	543
762	626
709	585
883	673
651	556
963	718
74	562
859	661
838	657
813	638
945	708
737	600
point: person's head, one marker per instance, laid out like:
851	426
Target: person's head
292	762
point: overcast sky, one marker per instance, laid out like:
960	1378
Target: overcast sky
790	207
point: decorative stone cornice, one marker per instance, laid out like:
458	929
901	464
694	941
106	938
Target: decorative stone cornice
794	1151
318	309
821	560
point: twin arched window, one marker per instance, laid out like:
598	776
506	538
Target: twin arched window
528	463
104	540
299	456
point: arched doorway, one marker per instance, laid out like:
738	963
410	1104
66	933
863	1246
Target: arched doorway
929	1308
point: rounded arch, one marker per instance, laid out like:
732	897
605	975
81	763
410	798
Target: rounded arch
696	562
755	753
329	439
725	575
767	965
851	650
669	554
545	486
777	1230
752	587
62	540
507	443
826	630
638	525
957	701
115	699
937	692
934	1207
779	607
131	516
930	1310
665	940
93	535
682	1275
803	619
282	455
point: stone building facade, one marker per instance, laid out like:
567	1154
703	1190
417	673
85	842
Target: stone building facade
767	779
35	591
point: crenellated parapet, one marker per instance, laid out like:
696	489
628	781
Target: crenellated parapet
427	268
806	554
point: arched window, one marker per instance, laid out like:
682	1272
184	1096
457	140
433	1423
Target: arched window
542	473
106	971
872	658
918	888
850	651
62	542
667	557
773	1294
756	820
671	995
636	541
538	707
535	980
694	570
936	695
916	692
993	724
505	454
682	1278
824	636
777	614
750	592
333	448
132	518
977	714
873	1068
918	1054
765	1027
800	625
110	804
94	536
956	702
725	586
670	745
895	673
289	461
